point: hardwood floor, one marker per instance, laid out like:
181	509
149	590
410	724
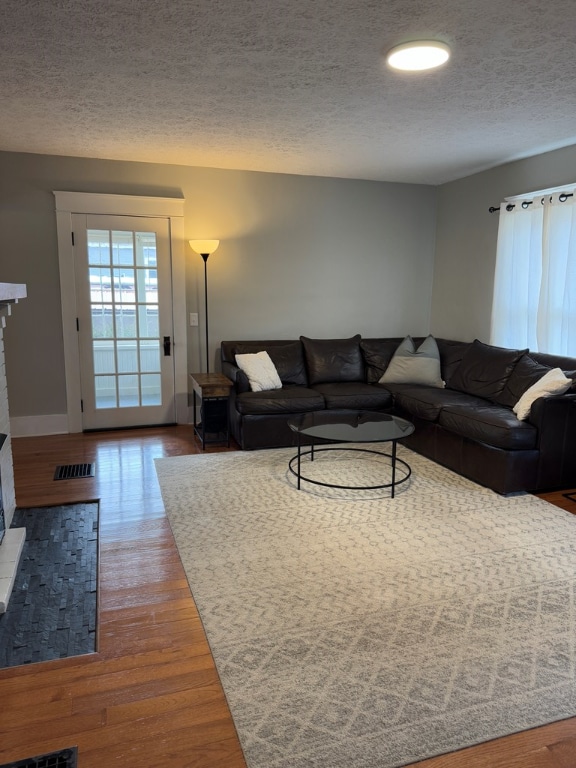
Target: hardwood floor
150	697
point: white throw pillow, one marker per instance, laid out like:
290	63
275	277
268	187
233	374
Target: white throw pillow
414	366
261	371
552	383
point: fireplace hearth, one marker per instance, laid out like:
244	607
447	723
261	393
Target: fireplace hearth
11	539
2	515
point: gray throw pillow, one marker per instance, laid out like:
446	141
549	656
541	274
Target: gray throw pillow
377	354
414	366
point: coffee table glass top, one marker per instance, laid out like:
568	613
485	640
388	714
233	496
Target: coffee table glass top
361	427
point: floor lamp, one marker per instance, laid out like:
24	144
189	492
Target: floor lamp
204	248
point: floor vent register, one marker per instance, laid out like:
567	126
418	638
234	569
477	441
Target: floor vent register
65	758
70	472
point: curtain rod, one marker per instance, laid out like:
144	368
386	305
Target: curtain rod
563	196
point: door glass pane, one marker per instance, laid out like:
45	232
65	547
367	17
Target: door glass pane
148	319
124	315
151	394
123	285
127	357
152	286
150	356
100	284
123	249
104	358
145	249
126	321
105	387
98	246
128	391
102	321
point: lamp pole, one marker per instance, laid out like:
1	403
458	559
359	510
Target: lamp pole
204	248
205	257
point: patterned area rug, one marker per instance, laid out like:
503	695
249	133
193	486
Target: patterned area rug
351	630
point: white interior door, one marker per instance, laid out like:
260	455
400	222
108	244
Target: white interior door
125	326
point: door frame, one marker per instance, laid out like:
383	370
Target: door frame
171	208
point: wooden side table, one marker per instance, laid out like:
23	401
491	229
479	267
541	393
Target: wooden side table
213	389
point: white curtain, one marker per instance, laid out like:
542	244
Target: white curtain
535	282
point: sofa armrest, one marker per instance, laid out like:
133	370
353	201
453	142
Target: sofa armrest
237	376
555	419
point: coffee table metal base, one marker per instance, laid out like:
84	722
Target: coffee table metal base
395	462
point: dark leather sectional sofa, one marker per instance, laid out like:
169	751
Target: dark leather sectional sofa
468	426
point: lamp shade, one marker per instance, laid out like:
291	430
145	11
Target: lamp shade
204	246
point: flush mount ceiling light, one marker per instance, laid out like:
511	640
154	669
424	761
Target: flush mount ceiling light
418	55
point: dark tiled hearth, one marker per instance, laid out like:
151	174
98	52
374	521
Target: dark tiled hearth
52	611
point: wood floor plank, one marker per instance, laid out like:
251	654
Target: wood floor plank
199	682
151	696
180	750
80	671
61	732
208	723
564	753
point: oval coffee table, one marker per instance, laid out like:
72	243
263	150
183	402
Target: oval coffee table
361	427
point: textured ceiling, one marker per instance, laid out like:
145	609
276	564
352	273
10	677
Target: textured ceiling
290	86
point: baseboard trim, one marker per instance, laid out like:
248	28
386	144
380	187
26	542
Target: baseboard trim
33	426
54	424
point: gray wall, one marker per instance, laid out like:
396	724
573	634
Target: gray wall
298	255
466	239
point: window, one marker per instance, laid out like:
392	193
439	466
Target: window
535	281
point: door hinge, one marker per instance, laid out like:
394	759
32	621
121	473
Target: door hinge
72	233
82	405
77	324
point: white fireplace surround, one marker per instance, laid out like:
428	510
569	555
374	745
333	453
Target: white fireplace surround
11	547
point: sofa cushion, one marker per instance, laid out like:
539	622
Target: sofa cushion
427	402
566	364
288	359
526	373
377	354
354	395
241	381
451	354
333	359
485	369
491	424
285	400
411	365
228	349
